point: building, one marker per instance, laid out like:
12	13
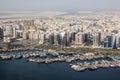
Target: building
73	37
14	32
79	38
51	39
103	35
97	39
110	42
8	31
87	37
36	35
28	24
25	35
1	33
65	40
41	38
55	39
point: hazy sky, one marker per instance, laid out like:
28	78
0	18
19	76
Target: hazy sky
58	5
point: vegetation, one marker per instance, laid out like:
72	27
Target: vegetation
47	47
105	52
88	44
14	46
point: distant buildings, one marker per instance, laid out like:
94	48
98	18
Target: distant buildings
94	31
28	25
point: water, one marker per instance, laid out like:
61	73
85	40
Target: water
22	70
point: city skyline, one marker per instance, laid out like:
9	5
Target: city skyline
59	5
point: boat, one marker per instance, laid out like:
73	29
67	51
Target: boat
113	66
68	60
78	68
17	56
115	58
54	54
92	68
39	61
6	57
30	60
47	61
43	54
25	56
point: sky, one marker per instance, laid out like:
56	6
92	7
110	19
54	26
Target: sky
59	5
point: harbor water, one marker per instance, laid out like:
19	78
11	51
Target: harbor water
22	70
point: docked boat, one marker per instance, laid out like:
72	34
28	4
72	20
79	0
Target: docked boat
6	57
25	56
78	68
54	54
17	56
47	61
43	54
92	68
39	61
68	60
30	60
116	58
113	66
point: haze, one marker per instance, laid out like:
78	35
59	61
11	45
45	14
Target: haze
59	5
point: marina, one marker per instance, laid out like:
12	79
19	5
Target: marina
78	62
22	70
95	65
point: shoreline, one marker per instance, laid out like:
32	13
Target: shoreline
42	56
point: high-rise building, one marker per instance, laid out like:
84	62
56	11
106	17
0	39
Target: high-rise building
68	35
1	33
87	37
65	40
97	39
72	37
118	42
103	35
8	31
25	35
59	38
110	42
14	32
56	39
51	39
41	38
79	38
